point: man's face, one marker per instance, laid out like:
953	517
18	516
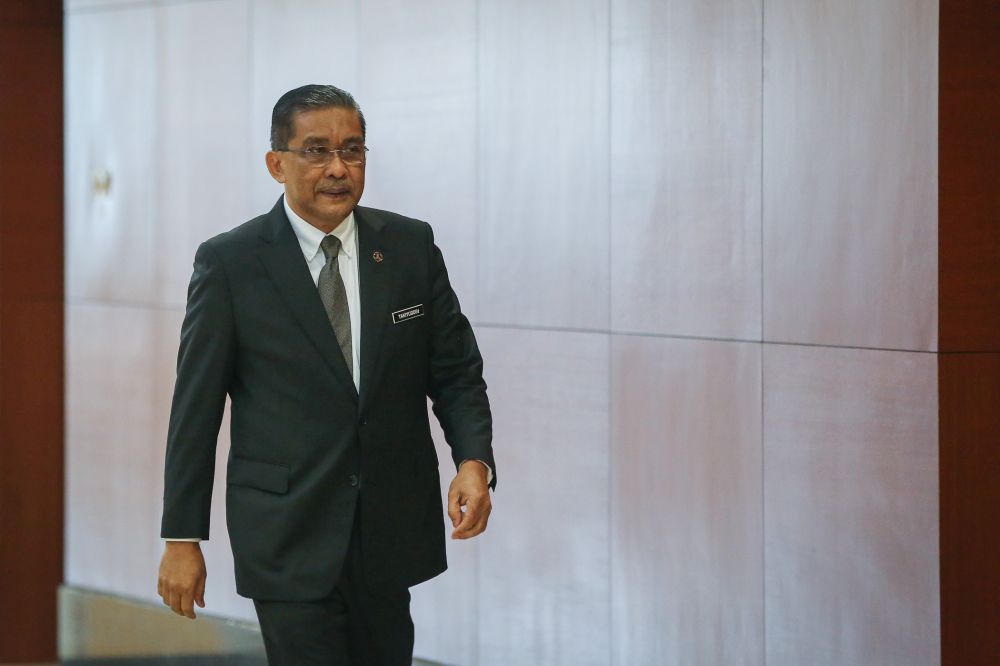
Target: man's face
322	194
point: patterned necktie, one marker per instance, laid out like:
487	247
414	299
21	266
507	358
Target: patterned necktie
334	296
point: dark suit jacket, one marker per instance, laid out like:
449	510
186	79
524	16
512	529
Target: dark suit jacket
306	447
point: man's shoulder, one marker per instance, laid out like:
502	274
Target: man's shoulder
237	237
392	221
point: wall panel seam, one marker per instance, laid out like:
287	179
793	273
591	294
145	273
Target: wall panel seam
763	466
610	346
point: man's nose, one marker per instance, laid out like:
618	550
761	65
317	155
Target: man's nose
336	168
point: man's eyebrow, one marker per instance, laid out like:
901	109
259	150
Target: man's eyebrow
323	141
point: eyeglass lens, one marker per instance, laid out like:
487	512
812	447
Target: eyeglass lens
352	155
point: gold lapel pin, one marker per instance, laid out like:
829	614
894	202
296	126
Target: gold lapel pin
378	256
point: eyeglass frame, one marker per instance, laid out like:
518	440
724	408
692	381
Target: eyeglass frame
305	153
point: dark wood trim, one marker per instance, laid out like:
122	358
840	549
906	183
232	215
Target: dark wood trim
969	321
969	176
970	508
31	327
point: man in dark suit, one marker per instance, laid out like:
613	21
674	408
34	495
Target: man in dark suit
328	325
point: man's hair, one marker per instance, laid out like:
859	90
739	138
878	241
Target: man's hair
307	98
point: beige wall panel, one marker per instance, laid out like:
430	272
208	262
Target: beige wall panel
419	98
686	503
202	150
445	608
851	507
120	376
850	173
293	43
543	163
685	167
112	507
543	562
110	155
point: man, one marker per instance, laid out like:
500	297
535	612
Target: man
328	324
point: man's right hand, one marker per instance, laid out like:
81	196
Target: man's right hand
182	577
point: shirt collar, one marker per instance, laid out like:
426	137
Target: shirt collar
310	237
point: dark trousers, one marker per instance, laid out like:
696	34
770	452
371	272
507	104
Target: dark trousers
353	626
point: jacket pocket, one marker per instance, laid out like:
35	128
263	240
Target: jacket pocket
271	477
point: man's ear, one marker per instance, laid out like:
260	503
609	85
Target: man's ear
274	166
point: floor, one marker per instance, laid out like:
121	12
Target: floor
199	660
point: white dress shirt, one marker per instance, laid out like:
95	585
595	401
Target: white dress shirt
347	262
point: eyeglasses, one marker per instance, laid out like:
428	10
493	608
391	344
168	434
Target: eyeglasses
321	155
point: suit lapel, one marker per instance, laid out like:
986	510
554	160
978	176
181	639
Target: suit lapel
375	269
282	257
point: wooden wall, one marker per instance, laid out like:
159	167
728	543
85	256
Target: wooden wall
31	327
969	363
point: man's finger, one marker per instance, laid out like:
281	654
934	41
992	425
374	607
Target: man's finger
199	593
484	517
470	516
476	516
470	519
175	603
454	509
464	520
466	530
187	605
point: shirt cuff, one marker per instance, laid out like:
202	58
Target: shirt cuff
194	539
489	470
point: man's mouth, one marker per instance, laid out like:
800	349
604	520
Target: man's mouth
334	188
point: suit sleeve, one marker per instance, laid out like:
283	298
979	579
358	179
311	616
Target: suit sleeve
457	388
205	365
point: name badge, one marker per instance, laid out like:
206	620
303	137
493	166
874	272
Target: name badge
408	313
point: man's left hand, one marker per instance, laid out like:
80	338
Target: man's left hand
471	491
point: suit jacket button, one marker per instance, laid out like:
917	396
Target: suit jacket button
364	422
354	480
